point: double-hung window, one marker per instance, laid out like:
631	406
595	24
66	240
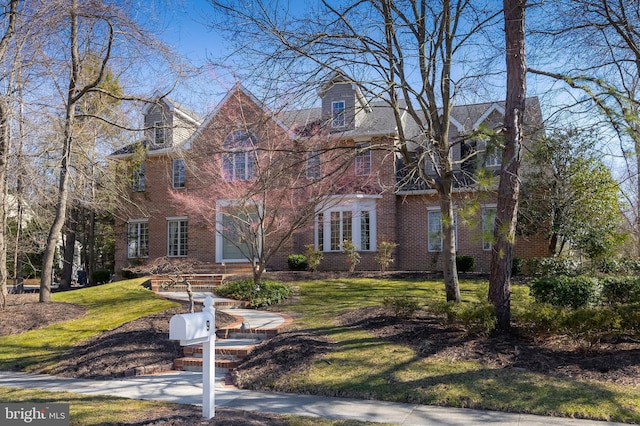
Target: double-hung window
363	159
177	237
137	178
179	173
435	230
492	155
138	238
313	165
488	225
338	114
158	133
349	219
239	158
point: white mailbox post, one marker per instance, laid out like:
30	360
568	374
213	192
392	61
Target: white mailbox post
199	327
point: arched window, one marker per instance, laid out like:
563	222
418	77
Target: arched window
239	158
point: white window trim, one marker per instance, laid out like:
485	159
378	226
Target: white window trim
137	222
139	183
177	219
158	125
173	174
338	122
363	151
219	231
487	245
356	204
455	229
313	164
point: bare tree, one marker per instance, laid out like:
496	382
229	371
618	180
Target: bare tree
9	18
95	32
509	187
402	53
599	42
264	188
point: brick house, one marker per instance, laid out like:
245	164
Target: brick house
385	206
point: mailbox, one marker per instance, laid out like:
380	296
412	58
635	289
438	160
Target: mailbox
192	328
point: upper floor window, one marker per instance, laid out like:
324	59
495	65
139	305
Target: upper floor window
138	238
158	133
137	178
179	173
493	156
177	237
488	225
338	115
239	160
313	165
363	159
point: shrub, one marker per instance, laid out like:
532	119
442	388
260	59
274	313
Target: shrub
314	257
590	324
517	266
297	262
128	274
545	266
539	318
404	307
476	318
465	263
629	318
101	276
621	289
265	294
568	292
383	258
353	257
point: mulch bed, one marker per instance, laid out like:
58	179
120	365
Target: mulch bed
430	336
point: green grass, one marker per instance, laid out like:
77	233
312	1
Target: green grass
88	410
362	366
366	367
108	306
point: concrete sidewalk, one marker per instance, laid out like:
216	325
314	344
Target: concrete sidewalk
186	388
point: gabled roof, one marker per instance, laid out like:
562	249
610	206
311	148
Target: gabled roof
174	107
339	77
212	115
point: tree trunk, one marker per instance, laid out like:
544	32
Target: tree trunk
553	243
509	187
63	183
4	153
449	267
68	257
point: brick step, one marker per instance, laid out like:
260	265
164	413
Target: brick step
195	364
231	304
238	333
237	348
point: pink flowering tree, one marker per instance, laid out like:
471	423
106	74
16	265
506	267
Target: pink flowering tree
266	182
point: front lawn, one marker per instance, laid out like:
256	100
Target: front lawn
107	306
363	365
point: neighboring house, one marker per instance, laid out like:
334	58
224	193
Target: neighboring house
392	207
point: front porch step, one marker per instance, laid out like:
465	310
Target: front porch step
195	364
238	333
229	353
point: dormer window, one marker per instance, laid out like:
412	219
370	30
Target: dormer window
338	115
158	133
